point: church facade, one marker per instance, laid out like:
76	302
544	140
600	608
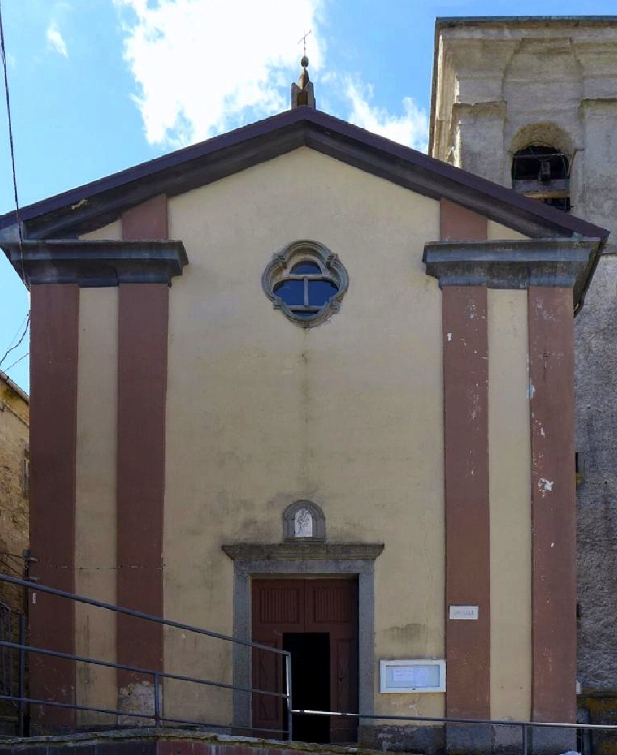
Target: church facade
311	388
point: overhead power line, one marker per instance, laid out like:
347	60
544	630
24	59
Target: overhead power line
17	361
18	344
10	125
15	192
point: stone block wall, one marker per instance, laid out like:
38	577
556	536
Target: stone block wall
14	473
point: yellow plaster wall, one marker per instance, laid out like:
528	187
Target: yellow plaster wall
261	412
510	505
111	232
95	525
496	231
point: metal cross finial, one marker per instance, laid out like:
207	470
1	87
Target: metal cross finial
303	39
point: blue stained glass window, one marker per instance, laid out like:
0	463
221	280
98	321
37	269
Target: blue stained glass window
291	291
320	292
306	282
306	268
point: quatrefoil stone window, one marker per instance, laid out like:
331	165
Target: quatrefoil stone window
306	281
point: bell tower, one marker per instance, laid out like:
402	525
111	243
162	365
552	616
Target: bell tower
531	103
504	88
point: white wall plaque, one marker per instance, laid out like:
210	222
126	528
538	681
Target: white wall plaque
464	613
412	676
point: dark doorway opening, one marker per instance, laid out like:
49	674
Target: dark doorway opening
310	683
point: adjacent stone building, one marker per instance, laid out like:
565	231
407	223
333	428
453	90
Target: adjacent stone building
532	103
14	483
14	518
322	437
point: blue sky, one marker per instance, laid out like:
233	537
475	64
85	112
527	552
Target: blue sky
99	85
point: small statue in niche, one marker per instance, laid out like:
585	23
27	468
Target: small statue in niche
303	523
303	520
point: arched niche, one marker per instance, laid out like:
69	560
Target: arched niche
543	132
304	520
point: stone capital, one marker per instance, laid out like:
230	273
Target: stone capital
565	263
96	264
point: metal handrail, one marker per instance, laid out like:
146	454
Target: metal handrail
523	725
30	585
111	711
435	719
159	719
157	675
137	670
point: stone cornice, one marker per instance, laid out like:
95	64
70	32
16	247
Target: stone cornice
303	550
496	109
599	105
512	264
96	264
602	28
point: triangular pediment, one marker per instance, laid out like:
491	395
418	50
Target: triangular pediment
101	202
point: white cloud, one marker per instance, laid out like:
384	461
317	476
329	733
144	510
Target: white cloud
55	40
410	128
205	66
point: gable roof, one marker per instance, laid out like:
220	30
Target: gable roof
96	204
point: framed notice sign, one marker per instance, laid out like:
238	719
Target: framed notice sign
414	676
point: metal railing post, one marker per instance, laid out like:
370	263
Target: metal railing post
21	709
288	696
525	739
157	700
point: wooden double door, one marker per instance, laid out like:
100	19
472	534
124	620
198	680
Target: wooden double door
317	621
